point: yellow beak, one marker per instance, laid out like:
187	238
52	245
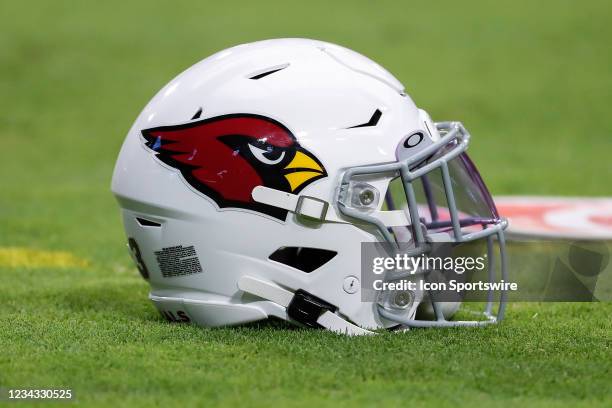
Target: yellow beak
302	169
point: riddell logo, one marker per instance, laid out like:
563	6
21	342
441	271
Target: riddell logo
226	157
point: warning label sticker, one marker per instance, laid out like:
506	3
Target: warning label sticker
178	261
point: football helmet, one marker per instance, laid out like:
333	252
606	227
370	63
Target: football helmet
249	183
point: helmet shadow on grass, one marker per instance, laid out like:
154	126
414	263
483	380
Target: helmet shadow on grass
128	301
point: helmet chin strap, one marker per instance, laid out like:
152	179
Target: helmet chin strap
302	306
318	209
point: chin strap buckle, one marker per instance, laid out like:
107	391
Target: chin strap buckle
306	308
311	207
303	205
301	306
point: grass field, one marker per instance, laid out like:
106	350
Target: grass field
531	80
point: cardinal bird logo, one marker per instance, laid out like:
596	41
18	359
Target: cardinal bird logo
225	157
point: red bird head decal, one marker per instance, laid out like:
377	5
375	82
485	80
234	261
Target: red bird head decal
225	157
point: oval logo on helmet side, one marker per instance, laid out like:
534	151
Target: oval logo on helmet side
413	140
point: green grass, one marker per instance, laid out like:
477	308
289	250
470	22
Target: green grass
531	80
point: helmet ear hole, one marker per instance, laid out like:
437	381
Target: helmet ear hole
302	258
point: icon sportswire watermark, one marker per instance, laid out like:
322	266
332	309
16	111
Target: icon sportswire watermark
557	270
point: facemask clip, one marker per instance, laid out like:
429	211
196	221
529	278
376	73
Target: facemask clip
363	196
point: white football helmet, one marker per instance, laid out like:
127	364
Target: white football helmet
249	182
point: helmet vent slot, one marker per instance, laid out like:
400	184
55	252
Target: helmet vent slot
372	122
147	223
304	259
268	71
197	114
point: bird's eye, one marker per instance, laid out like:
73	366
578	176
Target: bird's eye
267	154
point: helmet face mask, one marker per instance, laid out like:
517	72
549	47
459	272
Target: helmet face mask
444	215
258	205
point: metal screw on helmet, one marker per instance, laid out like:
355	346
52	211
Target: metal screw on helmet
351	284
367	197
403	299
